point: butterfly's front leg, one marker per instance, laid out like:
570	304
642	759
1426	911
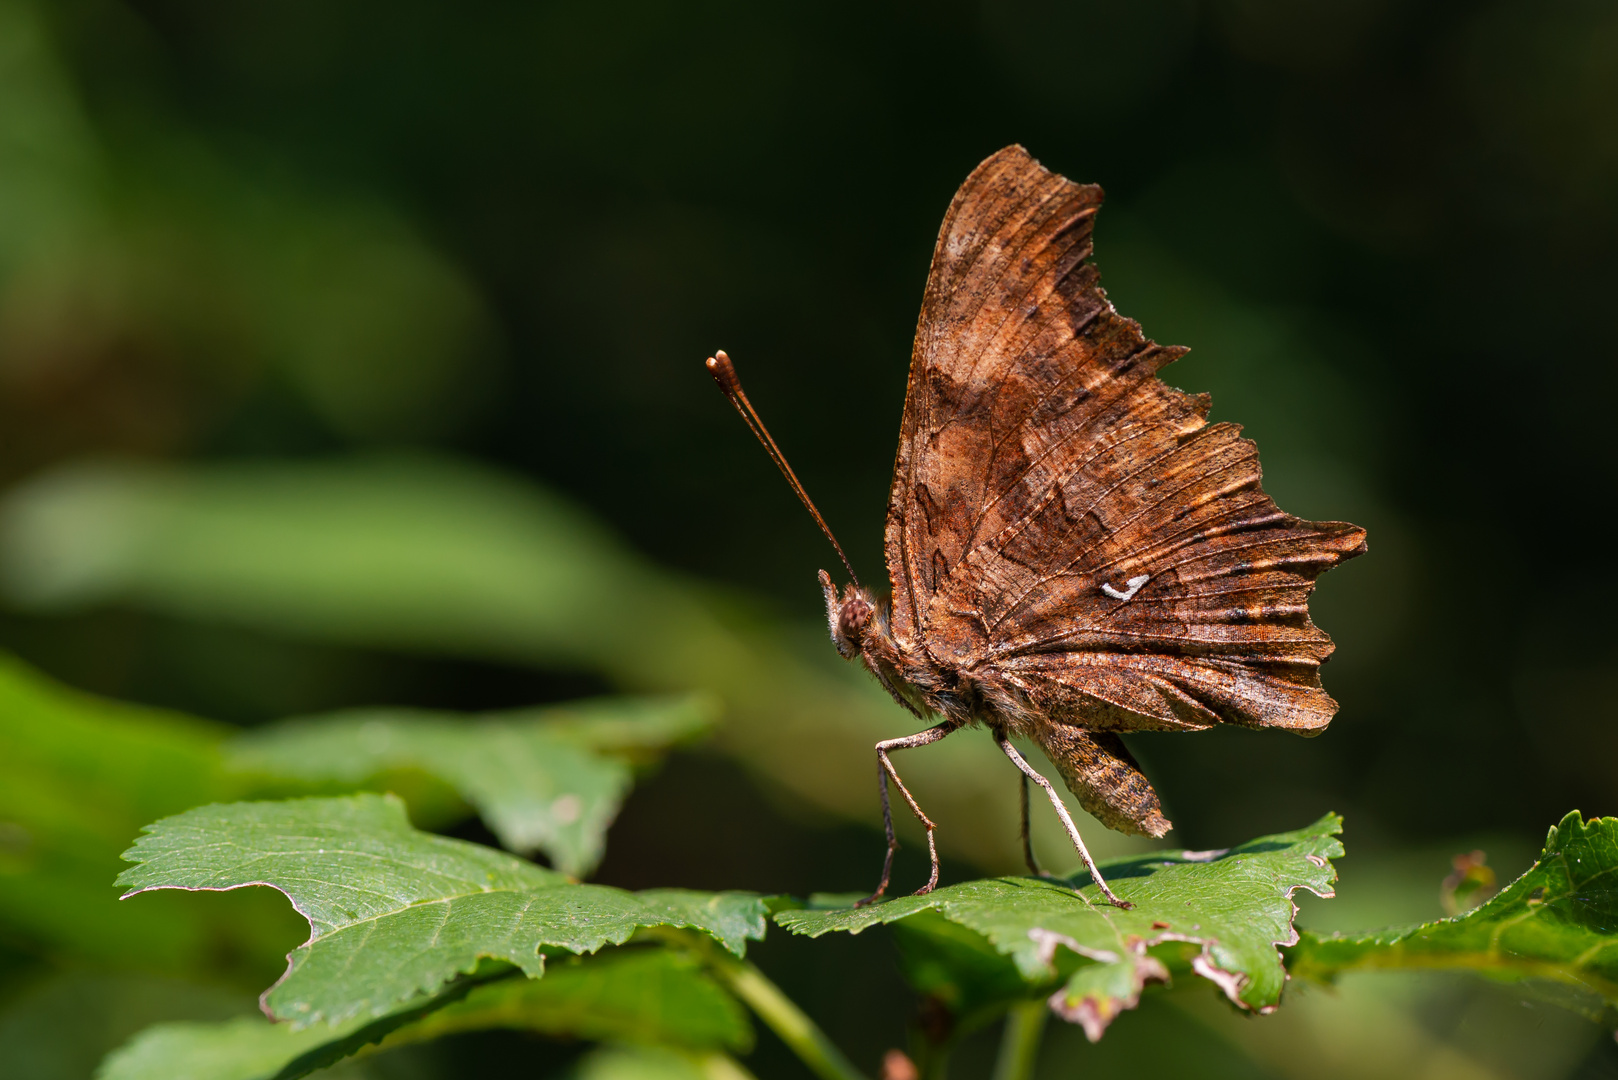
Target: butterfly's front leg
1029	773
885	769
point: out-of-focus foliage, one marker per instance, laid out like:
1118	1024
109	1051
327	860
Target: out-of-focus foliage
146	281
62	1025
647	995
406	554
655	1063
639	995
78	776
535	776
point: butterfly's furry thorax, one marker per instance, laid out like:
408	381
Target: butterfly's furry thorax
861	628
1096	766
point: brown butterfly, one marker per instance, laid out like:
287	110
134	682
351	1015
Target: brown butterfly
1075	552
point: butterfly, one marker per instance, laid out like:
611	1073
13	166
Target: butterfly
1074	551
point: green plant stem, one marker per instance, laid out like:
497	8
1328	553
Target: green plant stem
785	1019
1019	1043
801	1034
934	1063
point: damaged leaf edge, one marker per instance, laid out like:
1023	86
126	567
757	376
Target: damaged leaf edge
1204	964
1095	1015
1232	984
1395	937
533	967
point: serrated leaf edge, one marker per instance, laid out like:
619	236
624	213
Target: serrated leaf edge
1393	938
1327	828
755	931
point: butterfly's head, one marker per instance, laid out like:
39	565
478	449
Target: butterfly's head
848	615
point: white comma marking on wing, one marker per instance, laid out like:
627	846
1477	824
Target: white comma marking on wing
1133	587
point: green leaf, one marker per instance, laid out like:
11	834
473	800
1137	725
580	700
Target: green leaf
1228	909
400	552
536	776
58	1025
655	1063
636	994
1556	926
78	776
730	918
645	995
633	728
243	1048
1097	993
957	968
395	913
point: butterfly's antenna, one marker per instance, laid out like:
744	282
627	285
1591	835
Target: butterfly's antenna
724	373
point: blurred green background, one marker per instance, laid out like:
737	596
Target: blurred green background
350	354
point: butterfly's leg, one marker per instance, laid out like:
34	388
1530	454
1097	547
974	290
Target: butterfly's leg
921	738
887	827
1027	839
1061	812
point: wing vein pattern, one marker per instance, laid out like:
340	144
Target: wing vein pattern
1042	458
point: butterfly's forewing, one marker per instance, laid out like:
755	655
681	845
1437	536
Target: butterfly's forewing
1015	346
1041	459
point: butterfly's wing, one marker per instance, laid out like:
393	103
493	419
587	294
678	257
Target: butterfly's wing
1044	470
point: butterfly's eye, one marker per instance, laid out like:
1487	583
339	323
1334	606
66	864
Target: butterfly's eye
853	619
